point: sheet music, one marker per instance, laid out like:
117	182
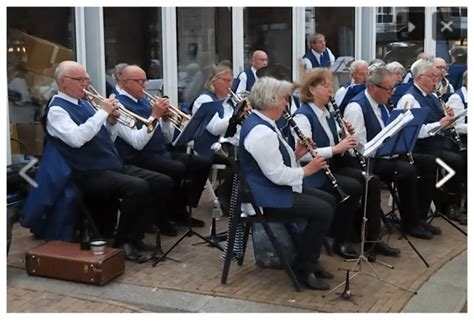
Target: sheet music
396	125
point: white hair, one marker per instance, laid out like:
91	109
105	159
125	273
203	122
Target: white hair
266	92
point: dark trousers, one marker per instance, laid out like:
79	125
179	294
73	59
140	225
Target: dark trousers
136	187
415	193
316	208
345	213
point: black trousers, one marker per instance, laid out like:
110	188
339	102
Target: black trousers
415	193
344	217
316	208
448	152
136	187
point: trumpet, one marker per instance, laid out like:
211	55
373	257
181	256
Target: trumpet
240	101
176	117
126	117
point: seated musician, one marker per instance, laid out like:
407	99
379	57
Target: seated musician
118	69
269	166
358	70
84	139
217	87
157	157
426	78
458	102
317	123
368	115
397	70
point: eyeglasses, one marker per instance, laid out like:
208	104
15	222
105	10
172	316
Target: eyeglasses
384	88
138	81
225	79
80	79
431	76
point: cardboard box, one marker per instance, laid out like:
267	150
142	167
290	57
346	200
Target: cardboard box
43	55
31	135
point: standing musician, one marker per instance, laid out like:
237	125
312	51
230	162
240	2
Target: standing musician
157	157
426	78
84	137
316	123
318	55
269	166
368	115
246	79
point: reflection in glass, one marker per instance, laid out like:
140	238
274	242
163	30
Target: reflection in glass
133	35
204	37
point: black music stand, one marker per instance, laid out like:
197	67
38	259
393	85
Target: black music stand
379	143
193	129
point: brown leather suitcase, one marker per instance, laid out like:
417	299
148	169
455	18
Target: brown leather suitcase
66	261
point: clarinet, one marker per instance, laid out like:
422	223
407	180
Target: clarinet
456	136
343	126
308	146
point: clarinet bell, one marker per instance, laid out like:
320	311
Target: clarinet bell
344	196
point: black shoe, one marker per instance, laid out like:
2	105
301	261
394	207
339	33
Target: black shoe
313	282
370	255
168	229
418	232
142	246
345	250
383	248
131	253
321	272
432	229
453	213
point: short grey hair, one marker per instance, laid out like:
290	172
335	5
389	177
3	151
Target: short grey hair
392	66
63	68
266	92
356	63
118	69
377	76
420	66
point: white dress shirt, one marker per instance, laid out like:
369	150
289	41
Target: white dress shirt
455	102
242	86
60	125
307	63
407	101
340	94
305	126
217	126
262	143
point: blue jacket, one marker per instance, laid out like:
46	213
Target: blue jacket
51	209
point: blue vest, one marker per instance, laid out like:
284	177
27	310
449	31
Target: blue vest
435	112
314	61
250	79
97	154
265	192
372	125
321	139
157	143
203	144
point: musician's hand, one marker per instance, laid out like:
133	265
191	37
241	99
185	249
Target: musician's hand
301	149
109	105
315	165
160	107
446	120
113	117
344	145
350	128
449	111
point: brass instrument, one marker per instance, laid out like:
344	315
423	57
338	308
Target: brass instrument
176	117
304	141
127	117
240	101
343	126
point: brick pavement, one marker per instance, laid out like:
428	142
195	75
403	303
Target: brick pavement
200	269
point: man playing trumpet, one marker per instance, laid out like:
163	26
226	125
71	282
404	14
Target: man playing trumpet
157	157
84	137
